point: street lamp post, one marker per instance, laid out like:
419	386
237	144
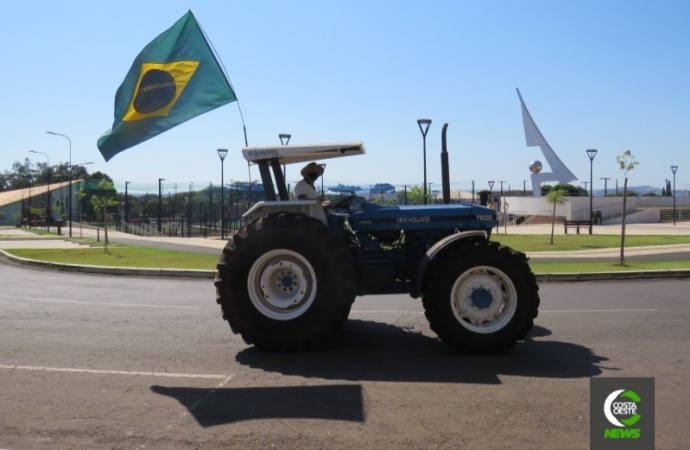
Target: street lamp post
606	192
284	140
222	152
424	125
189	211
160	209
491	192
48	189
673	169
323	167
69	201
500	205
591	153
126	203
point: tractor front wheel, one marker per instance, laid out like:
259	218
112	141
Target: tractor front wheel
481	297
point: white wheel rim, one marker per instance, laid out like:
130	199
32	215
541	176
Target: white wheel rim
282	284
483	299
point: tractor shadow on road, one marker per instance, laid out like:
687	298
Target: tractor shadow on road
372	351
375	351
229	405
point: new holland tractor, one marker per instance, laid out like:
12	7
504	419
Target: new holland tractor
288	279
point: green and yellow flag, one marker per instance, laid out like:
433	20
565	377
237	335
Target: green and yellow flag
175	78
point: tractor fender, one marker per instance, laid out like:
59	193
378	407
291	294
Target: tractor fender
433	252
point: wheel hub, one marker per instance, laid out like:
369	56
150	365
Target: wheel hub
282	284
483	299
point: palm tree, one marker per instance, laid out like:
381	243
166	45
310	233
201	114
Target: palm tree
555	197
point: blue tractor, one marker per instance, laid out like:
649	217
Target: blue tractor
288	279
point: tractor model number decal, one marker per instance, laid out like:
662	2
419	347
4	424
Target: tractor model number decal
484	217
420	219
262	153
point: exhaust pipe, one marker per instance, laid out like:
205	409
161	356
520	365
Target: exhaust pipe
445	176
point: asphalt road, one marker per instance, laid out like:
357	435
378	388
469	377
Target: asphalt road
109	362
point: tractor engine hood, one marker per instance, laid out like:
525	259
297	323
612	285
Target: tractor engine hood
372	218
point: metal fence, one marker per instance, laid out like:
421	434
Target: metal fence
199	220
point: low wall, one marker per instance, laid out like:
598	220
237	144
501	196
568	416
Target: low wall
647	216
662	202
576	208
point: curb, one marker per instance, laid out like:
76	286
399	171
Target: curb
605	276
210	274
108	270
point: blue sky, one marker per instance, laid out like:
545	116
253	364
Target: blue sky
610	75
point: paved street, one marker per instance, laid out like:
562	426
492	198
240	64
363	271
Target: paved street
105	362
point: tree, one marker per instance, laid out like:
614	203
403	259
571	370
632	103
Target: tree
626	163
569	189
101	204
21	176
343	189
555	197
415	195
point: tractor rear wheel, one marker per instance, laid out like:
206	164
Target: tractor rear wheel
481	297
285	282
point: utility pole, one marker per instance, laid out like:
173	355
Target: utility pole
606	179
405	198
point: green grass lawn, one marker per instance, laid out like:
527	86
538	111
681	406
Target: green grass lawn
131	256
571	242
122	256
590	267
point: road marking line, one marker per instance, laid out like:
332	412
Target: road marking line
139	305
225	378
211	392
599	311
540	312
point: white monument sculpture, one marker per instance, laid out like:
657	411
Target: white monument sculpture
533	138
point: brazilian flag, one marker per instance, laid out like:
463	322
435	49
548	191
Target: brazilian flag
175	78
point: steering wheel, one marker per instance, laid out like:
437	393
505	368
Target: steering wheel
344	203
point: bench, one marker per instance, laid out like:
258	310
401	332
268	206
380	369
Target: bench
577	224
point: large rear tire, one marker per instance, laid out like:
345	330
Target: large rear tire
285	282
481	297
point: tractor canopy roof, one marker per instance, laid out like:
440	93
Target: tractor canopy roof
289	154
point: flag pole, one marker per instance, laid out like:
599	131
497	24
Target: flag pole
239	108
